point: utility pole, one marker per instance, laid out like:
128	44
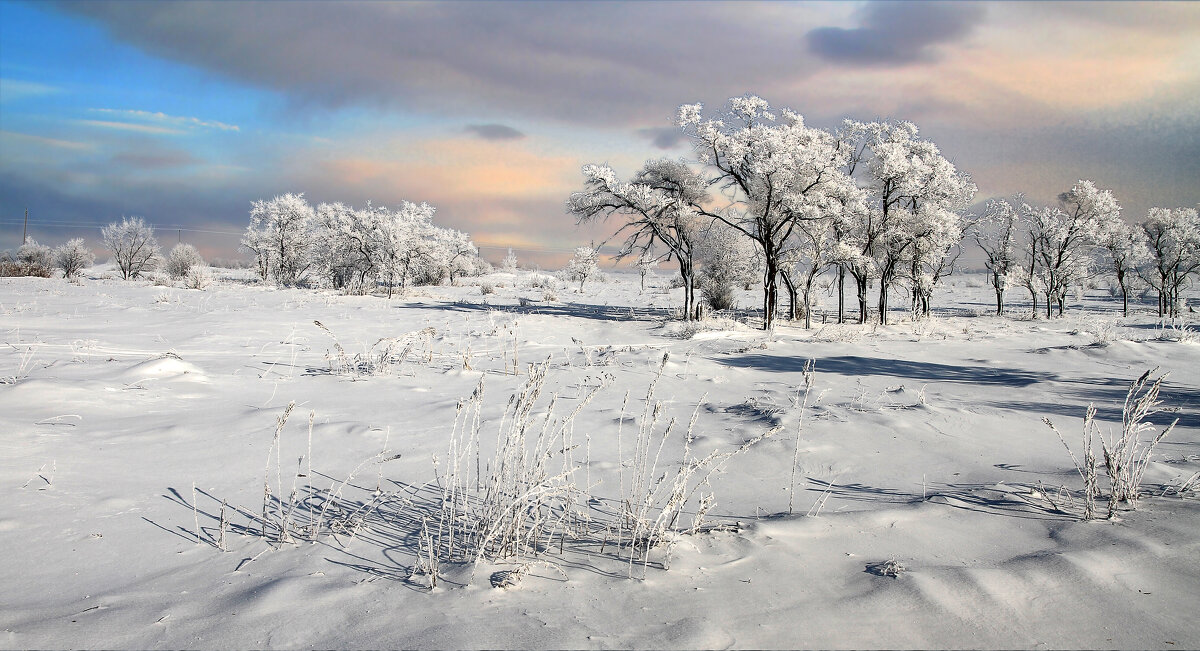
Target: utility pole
25	231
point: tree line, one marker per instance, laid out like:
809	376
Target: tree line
355	249
873	203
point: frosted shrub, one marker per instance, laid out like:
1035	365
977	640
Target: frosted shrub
509	263
487	288
583	265
181	259
718	293
73	257
1103	331
36	255
385	357
538	280
198	277
32	259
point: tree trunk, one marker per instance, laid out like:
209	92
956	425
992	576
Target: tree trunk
841	294
689	290
808	307
883	302
770	291
862	299
793	304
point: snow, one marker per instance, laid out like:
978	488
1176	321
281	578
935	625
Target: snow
922	443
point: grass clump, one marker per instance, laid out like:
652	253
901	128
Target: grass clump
1125	454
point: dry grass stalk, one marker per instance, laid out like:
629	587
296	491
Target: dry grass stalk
1127	454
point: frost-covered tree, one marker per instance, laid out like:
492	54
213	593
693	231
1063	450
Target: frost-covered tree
727	260
1126	247
133	246
1173	240
915	198
181	260
772	171
584	264
363	248
346	257
454	251
400	238
997	236
817	244
280	236
1065	237
662	206
645	263
937	244
509	263
73	257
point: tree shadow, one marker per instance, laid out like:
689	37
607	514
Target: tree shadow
856	366
1023	500
573	310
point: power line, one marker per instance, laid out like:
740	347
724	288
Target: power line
161	227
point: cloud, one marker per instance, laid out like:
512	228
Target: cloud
24	139
155	160
577	62
449	169
15	89
163	118
129	126
896	33
663	137
494	132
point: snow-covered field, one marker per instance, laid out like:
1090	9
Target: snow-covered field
922	443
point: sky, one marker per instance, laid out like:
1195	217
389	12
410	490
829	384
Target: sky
185	112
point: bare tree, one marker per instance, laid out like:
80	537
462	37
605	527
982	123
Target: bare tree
1066	236
997	236
662	205
915	197
1173	238
773	172
1126	246
133	246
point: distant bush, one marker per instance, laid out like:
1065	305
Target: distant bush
181	259
73	257
32	259
12	268
198	277
34	254
718	293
